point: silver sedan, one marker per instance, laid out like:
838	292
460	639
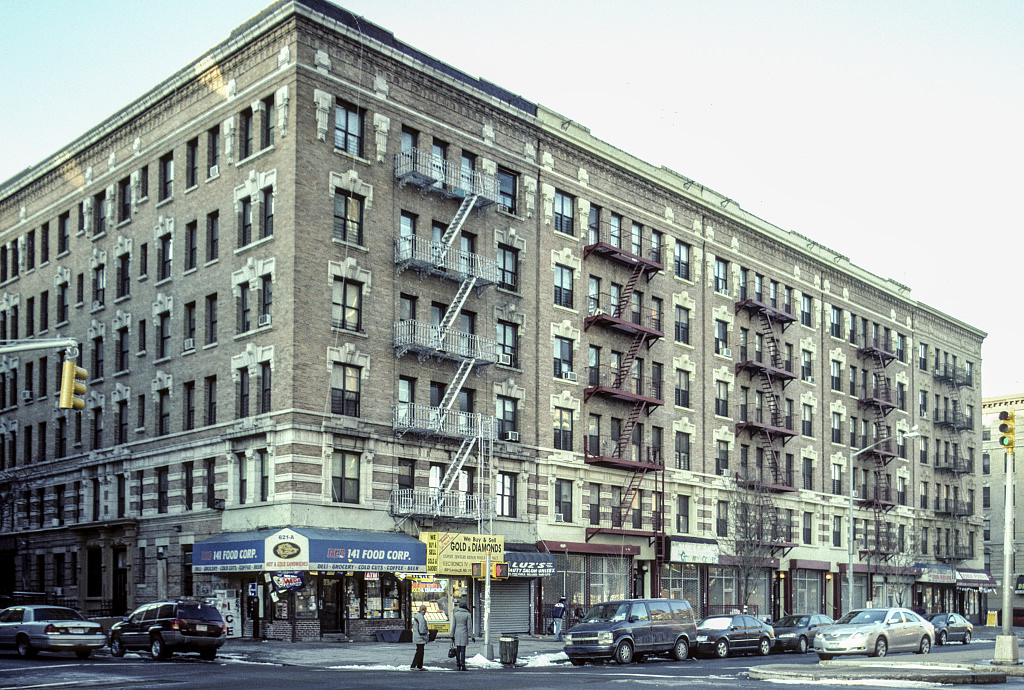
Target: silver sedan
34	628
875	632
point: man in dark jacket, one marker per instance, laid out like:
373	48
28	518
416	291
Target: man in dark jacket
460	633
557	611
420	635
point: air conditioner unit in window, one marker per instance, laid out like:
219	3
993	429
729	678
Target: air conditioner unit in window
598	311
724	292
511	436
214	171
96	304
26	395
58	591
569	375
505	359
923	415
727	352
559	517
264	320
810	380
190	344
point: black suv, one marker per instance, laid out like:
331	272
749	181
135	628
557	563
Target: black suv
165	627
628	629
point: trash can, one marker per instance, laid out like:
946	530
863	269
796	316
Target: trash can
508	648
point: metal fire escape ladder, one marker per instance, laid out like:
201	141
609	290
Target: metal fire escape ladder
452	393
626	298
454	228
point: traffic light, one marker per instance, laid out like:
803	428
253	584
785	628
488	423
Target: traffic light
499	570
72	386
1006	432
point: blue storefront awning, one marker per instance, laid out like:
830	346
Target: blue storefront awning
305	548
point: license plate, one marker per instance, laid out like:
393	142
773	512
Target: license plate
201	628
77	631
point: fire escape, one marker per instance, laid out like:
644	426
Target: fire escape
953	461
876	399
621	382
446	341
766	423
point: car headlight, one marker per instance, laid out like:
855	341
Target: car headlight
858	637
567	638
785	636
702	638
605	638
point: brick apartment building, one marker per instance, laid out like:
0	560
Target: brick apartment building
356	317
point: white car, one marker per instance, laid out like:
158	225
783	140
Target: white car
875	632
34	628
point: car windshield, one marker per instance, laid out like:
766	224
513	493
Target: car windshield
791	621
203	612
862	617
607	612
715	623
936	617
56	614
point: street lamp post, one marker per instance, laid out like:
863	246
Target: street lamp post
849	570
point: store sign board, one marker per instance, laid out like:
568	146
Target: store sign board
287	550
453	553
693	552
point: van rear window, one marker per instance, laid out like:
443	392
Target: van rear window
200	612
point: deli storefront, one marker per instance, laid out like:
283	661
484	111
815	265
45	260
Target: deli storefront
303	583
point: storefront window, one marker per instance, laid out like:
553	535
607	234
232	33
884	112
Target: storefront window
609	578
681	581
305	599
441	596
806	591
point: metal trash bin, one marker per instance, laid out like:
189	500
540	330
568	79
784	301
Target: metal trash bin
508	649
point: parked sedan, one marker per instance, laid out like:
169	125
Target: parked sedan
796	633
34	628
875	632
950	627
723	635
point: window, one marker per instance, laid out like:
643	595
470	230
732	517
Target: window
347	305
636	235
166	177
505	410
508	267
808	474
143	260
563	499
506	495
808	523
244	308
837	530
191	240
837	375
99	223
123	276
682	397
163	335
191	163
163	412
243	393
806	366
836	323
682	330
245	222
345	390
722	398
267	213
562	357
267	126
722	519
212	235
594	224
348	217
211	319
348	129
682	450
213	152
683	514
245	132
266	296
162	488
563	286
805	310
188	421
211	400
722	276
563	428
163	257
615	230
507	182
266	386
722	458
563	213
807	419
837	480
721	337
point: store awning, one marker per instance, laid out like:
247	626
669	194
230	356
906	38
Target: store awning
305	548
974	579
529	564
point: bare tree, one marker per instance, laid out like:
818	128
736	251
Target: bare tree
900	571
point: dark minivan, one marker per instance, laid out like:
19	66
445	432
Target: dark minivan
631	628
165	627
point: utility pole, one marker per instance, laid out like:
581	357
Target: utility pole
1007	652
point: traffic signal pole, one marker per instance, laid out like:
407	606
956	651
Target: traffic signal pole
1006	651
8	347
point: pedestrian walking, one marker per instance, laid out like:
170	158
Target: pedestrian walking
557	611
460	633
420	635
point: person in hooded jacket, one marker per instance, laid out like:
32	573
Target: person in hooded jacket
420	635
460	633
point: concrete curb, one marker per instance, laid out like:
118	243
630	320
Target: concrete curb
944	674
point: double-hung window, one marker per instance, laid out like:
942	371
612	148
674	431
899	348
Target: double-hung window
348	129
348	217
563	213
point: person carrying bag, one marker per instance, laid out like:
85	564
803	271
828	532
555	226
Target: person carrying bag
420	635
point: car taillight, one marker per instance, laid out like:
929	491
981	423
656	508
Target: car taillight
51	629
224	628
177	624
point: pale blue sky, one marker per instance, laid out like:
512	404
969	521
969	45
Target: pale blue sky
889	131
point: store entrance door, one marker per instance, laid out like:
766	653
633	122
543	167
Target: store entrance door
331	605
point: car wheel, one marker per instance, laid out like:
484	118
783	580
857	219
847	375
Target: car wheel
208	654
824	657
941	639
926	645
881	647
25	648
801	645
117	647
624	652
681	650
157	648
722	648
765	647
577	662
967	637
83	653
